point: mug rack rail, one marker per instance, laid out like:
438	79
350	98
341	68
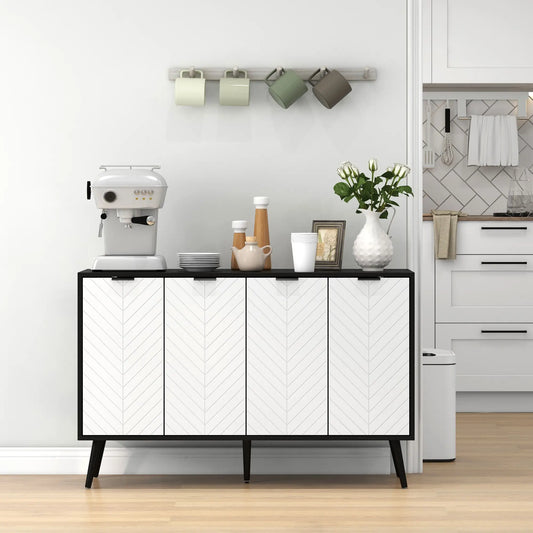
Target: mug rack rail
259	74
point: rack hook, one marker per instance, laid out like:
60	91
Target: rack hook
192	72
235	72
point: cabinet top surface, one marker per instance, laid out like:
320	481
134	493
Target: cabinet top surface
227	273
483	218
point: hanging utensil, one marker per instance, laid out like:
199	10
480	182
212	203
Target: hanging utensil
429	155
447	148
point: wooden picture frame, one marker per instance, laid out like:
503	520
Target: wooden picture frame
330	243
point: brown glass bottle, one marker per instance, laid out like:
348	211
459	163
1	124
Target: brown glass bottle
239	239
261	224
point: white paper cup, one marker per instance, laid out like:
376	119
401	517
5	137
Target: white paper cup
304	251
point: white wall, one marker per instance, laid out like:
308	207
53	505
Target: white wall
85	83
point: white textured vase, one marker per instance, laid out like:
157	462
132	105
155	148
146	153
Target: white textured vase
372	248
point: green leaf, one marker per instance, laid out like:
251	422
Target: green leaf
341	189
385	214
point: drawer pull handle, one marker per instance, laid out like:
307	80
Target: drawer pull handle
362	278
122	278
504	262
200	278
505	227
504	331
286	278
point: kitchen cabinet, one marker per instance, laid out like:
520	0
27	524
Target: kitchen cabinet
490	357
480	304
204	356
287	356
245	356
477	41
122	370
485	288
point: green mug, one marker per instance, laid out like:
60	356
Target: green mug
287	88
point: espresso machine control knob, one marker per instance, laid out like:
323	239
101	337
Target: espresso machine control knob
110	196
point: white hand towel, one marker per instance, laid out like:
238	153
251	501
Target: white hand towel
493	140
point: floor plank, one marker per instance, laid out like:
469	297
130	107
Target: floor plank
488	488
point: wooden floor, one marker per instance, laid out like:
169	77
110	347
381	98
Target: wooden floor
488	488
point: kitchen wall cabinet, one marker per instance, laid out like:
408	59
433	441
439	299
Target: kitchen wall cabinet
245	356
204	356
477	41
287	356
368	357
122	338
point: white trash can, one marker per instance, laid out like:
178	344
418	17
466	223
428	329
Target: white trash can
438	405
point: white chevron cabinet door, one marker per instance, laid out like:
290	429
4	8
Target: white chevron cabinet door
287	356
205	356
122	356
388	367
369	356
348	357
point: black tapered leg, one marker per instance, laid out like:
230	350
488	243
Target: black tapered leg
397	458
99	458
97	452
246	458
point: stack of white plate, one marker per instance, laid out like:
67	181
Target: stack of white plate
199	262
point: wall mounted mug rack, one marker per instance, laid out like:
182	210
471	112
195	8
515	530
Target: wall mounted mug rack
259	74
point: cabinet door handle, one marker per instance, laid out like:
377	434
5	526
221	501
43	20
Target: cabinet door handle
286	278
122	278
504	262
199	278
504	227
504	331
369	278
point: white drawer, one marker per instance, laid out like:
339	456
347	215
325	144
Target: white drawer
490	357
494	237
484	288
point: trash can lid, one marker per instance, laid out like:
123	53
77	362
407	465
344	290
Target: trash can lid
437	356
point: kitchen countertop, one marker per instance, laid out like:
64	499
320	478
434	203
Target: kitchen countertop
485	218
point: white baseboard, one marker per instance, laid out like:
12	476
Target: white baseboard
183	460
495	402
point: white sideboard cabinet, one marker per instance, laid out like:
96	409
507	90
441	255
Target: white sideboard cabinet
229	355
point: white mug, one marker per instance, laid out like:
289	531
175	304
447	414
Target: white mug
234	90
190	91
304	251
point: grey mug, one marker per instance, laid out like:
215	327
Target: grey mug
331	88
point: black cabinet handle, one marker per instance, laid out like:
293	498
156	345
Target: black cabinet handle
504	227
286	278
201	278
88	190
504	262
122	278
504	331
369	277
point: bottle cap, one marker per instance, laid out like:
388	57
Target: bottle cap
239	224
251	239
261	201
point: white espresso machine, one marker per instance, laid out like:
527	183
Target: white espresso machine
129	197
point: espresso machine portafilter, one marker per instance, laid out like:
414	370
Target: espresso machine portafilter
129	197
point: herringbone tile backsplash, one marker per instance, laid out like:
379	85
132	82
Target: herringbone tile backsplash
473	190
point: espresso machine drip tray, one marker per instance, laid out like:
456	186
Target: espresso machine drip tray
130	262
